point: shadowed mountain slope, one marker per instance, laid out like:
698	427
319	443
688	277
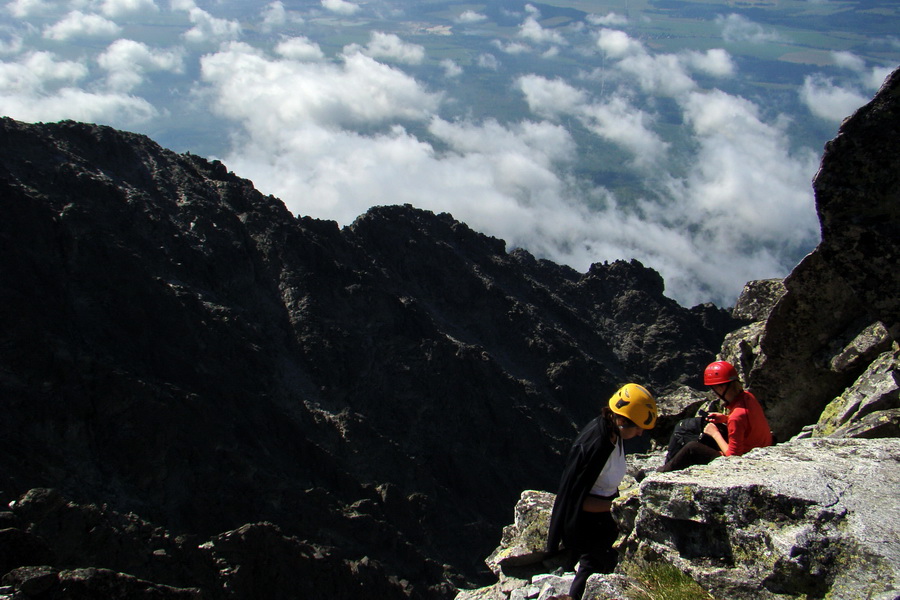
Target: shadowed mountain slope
174	343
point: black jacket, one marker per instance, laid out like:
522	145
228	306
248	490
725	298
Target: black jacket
588	455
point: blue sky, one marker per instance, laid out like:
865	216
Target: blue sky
581	131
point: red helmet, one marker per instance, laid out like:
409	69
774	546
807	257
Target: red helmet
719	372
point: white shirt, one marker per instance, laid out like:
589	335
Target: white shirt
613	472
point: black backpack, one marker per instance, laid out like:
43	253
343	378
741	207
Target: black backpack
691	430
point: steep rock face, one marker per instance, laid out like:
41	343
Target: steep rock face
176	344
861	169
849	284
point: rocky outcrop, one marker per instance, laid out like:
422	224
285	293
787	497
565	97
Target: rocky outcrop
741	347
849	284
789	521
175	344
807	519
524	569
757	299
870	408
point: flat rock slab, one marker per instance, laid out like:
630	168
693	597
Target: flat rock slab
813	517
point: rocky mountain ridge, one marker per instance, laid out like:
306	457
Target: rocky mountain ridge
176	345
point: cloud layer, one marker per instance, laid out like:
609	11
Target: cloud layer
723	191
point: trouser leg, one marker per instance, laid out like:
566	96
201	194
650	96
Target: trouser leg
693	453
599	532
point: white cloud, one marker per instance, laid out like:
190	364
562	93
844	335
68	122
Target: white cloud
736	28
716	62
300	48
22	9
298	144
38	87
747	197
871	78
119	8
874	79
451	69
38	72
610	19
743	184
532	31
631	128
127	61
743	202
512	47
210	29
662	74
274	16
117	110
488	61
745	173
470	16
341	7
828	100
618	44
551	97
542	143
613	119
848	60
269	93
79	25
390	46
494	178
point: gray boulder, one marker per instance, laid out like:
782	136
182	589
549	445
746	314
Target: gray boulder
521	553
794	520
681	402
870	407
871	341
523	542
741	347
757	299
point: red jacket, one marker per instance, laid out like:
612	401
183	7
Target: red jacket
747	425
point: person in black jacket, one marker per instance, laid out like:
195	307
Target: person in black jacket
581	520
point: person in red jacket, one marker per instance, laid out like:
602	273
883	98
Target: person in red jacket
748	427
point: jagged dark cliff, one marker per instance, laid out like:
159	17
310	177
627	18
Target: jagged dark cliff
176	344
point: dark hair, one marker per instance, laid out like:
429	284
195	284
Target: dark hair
610	418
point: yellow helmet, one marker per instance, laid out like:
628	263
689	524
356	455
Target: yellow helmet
635	403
